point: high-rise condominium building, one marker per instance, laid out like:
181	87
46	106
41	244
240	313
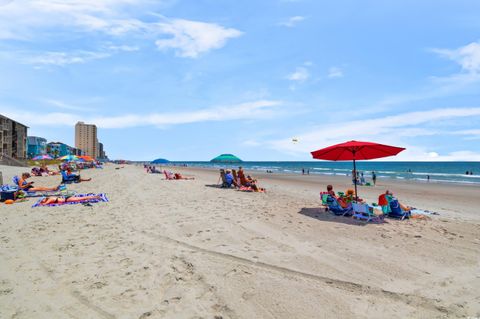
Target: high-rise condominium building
86	138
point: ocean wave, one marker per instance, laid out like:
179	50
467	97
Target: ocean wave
446	181
446	174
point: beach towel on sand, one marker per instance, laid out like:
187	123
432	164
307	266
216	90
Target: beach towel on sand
103	198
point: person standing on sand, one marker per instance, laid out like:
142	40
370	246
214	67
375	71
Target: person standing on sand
374	178
303	171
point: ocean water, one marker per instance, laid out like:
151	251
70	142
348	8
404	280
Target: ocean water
442	172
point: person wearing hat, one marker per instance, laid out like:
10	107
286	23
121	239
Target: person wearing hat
28	186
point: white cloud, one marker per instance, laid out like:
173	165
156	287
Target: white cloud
125	48
114	18
64	58
469	134
292	21
413	153
301	74
191	38
468	56
388	130
66	106
245	111
335	72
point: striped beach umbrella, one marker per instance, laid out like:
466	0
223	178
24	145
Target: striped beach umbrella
42	157
69	158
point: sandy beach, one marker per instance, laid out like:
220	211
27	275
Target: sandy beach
187	249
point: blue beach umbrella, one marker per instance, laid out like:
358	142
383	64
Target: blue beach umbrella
160	161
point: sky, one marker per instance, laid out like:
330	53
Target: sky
264	80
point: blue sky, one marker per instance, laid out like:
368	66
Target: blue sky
188	80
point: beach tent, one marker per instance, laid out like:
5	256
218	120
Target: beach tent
160	161
226	158
354	151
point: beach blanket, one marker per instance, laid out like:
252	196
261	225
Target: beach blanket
103	198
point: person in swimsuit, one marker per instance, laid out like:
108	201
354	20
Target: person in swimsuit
180	176
28	186
66	199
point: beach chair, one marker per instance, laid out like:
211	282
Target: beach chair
396	211
338	210
16	180
384	203
365	212
324	198
168	175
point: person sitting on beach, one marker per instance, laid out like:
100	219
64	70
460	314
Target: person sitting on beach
72	199
251	182
44	169
75	177
385	199
28	186
229	179
330	191
241	176
341	200
36	171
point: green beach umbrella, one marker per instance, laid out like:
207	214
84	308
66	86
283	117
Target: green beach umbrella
226	158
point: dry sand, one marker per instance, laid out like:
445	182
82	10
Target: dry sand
185	249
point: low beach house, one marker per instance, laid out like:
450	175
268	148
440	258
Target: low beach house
36	146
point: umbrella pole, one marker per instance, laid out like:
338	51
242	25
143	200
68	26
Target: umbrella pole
355	179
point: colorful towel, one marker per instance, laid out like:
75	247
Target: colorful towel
103	198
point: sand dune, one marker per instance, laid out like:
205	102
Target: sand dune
185	249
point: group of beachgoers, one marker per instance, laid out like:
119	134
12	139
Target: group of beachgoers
341	203
358	177
43	171
238	179
24	186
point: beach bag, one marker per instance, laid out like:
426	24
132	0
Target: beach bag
6	195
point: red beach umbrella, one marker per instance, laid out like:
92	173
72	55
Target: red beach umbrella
356	150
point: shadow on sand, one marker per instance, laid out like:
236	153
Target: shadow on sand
217	186
320	214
